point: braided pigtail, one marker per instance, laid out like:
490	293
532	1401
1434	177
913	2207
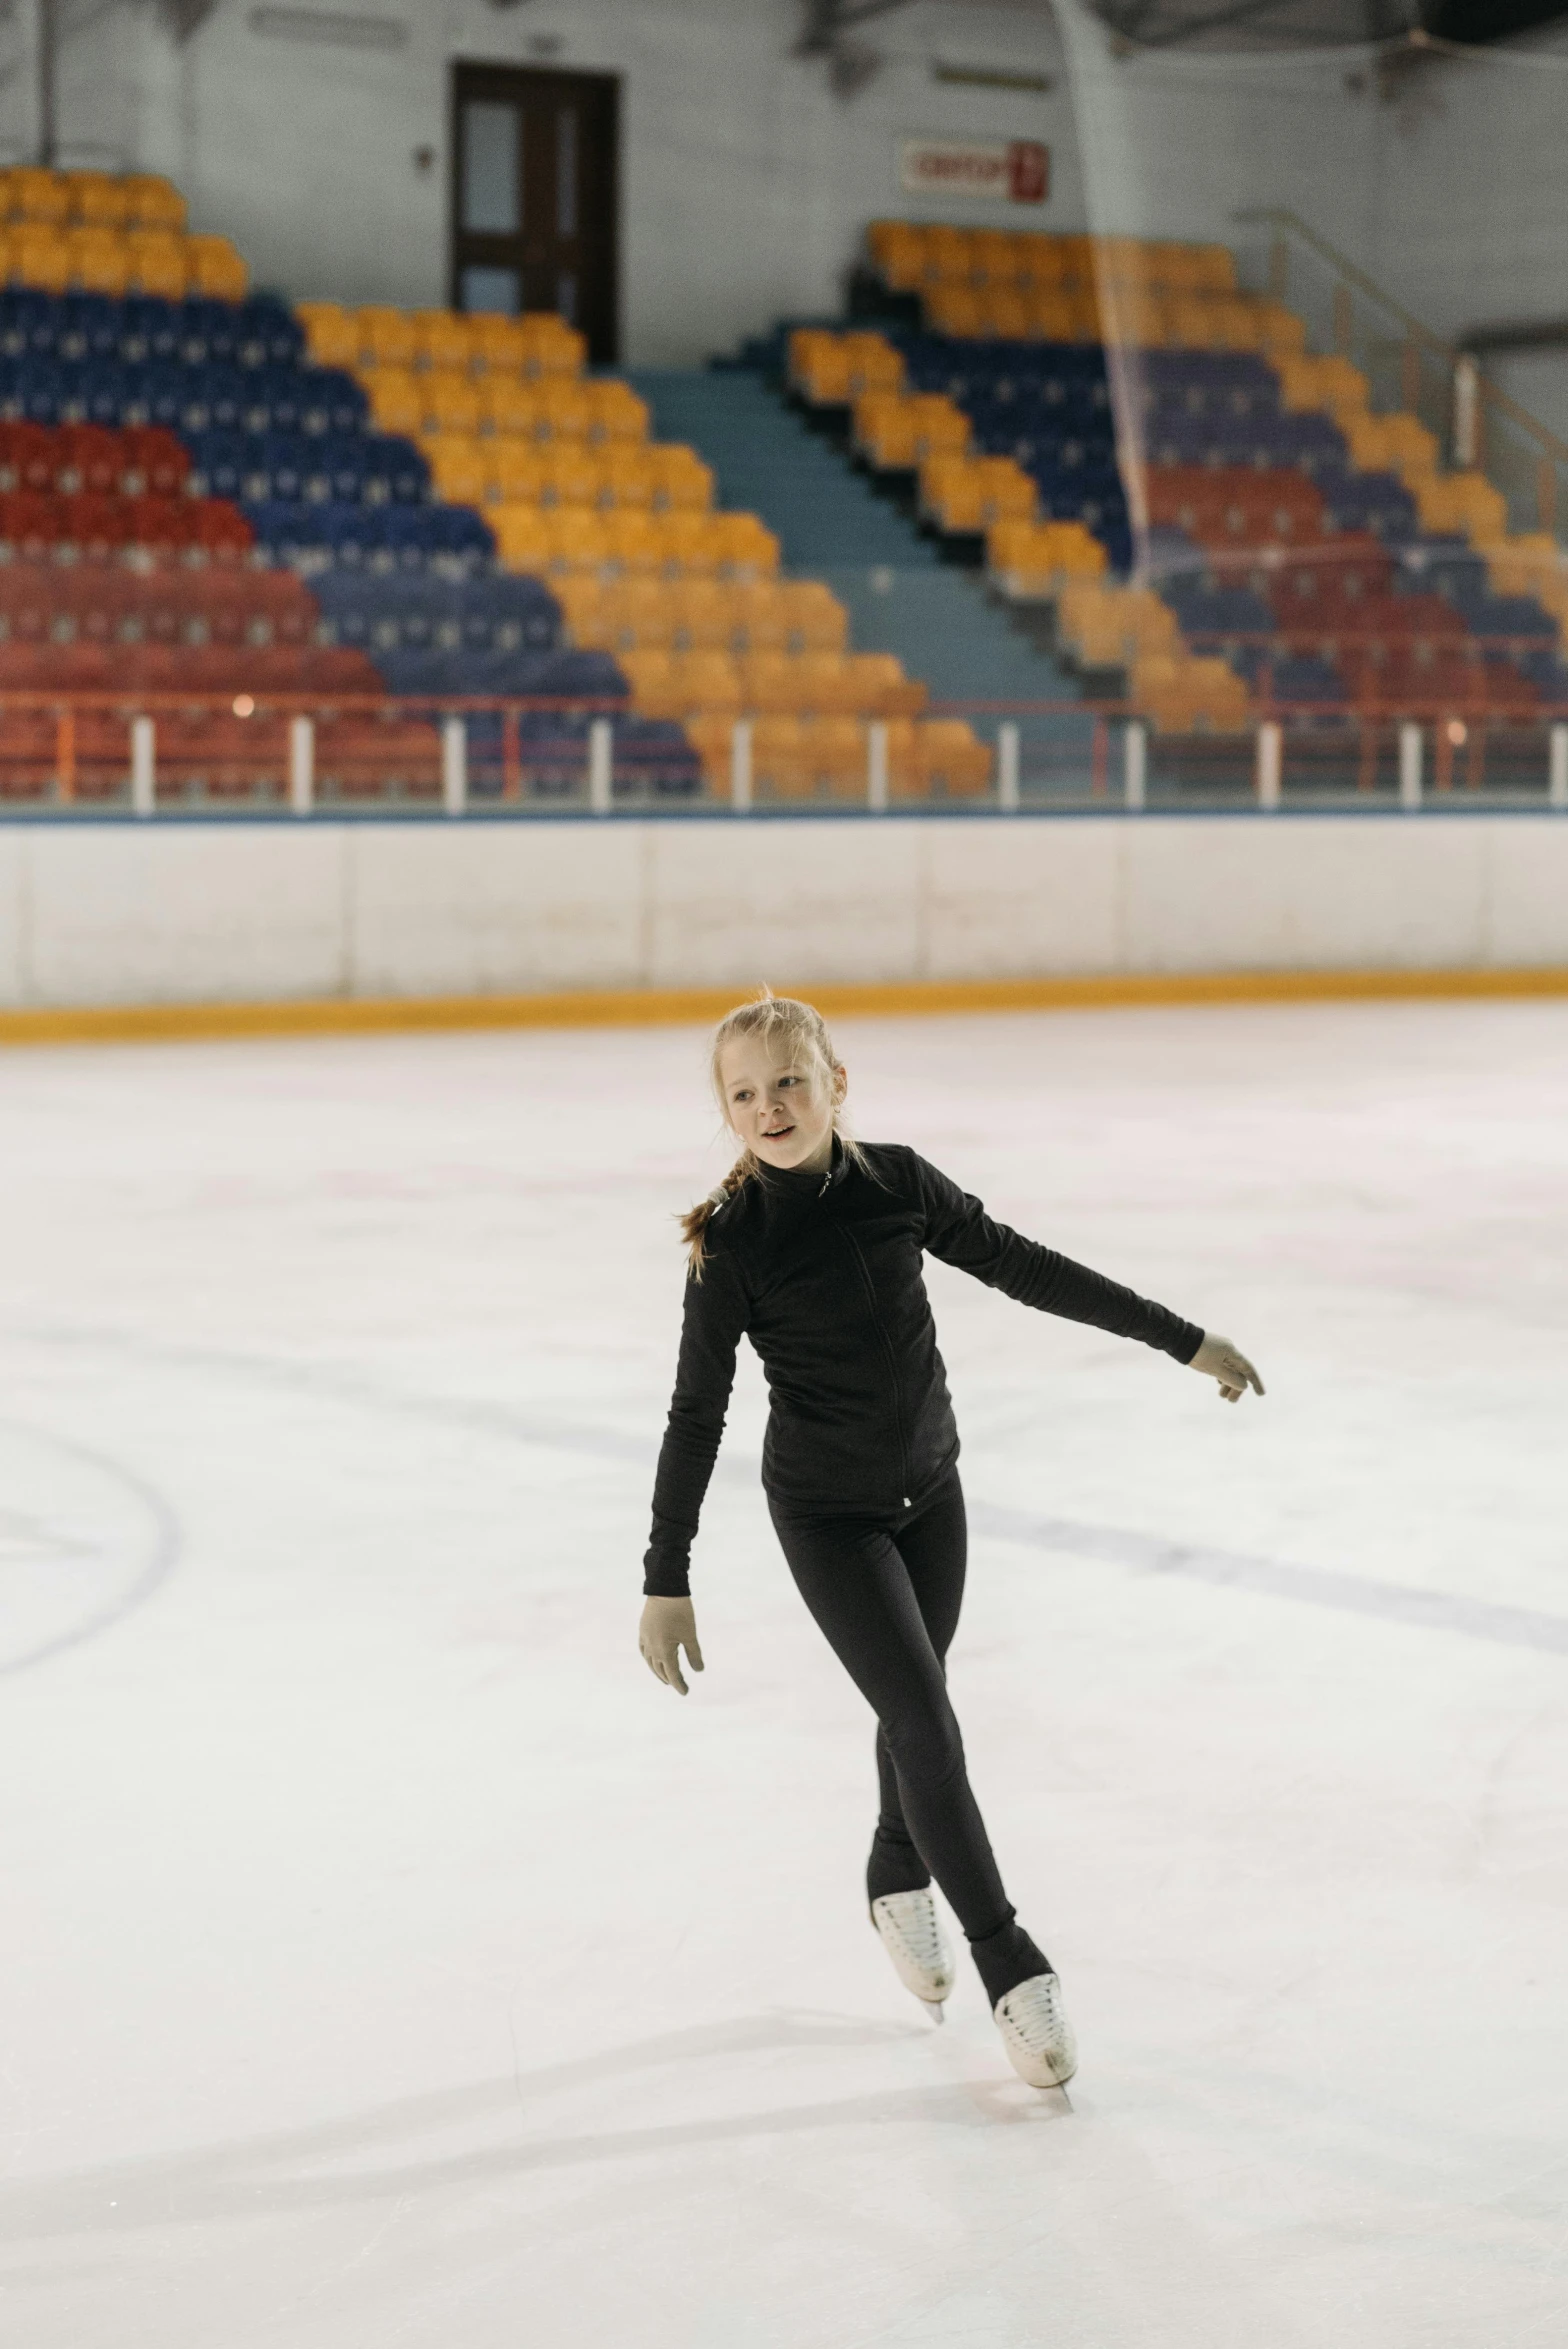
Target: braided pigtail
694	1223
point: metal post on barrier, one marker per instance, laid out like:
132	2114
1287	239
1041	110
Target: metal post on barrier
1557	768
1007	766
144	768
1270	762
601	767
1135	764
876	766
302	765
454	765
740	767
1409	764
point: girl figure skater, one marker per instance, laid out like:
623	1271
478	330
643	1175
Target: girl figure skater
811	1247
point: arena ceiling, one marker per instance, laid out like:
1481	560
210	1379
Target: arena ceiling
830	27
1298	24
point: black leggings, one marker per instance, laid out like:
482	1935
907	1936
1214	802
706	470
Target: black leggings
887	1593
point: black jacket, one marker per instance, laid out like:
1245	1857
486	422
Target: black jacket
822	1273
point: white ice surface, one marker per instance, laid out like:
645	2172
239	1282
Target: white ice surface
390	1964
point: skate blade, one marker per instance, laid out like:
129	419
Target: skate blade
935	2009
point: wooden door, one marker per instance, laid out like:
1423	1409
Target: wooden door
535	199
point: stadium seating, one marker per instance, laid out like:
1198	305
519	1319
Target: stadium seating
654	584
1298	546
205	491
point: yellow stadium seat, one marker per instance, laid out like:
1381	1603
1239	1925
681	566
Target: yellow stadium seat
443	339
956	310
97	199
386	336
1214	267
627	476
510	406
41	257
700	614
778	757
99	261
496	342
549	346
819	367
563	409
1283	334
681	481
949	760
450	401
969	493
759	615
949	255
812	617
898	250
151	202
212	266
1031	559
830	757
632	543
332	340
156	261
614	411
707	680
711	736
519	470
772	682
874	363
572	475
459	469
1006	315
38	195
526	538
396	402
1041	263
742	545
997	256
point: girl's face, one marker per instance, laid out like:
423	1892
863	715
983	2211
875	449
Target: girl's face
779	1104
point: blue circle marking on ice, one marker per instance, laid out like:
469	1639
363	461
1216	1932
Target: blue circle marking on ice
83	1541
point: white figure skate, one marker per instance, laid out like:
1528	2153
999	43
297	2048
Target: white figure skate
1036	2033
913	1937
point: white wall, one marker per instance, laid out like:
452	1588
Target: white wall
747	185
211	912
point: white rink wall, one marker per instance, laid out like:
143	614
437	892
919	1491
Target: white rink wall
204	912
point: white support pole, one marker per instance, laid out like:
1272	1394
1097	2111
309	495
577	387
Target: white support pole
740	767
876	766
144	768
454	765
1135	764
601	767
1271	744
1557	768
302	765
1007	766
1409	764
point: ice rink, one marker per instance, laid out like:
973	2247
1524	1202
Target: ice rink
391	1964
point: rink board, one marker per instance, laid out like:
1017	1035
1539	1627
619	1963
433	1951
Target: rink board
368	911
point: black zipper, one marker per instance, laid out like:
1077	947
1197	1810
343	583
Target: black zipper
853	1245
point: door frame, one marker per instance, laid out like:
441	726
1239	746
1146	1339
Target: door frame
508	72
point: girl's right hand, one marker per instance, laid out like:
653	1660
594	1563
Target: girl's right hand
667	1626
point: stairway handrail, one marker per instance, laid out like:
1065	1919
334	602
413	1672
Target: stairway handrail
1281	217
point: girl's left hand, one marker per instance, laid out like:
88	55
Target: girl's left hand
1218	1358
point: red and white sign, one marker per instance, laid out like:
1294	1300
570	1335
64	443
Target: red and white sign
1006	171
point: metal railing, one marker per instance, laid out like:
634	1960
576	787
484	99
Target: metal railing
74	757
1412	368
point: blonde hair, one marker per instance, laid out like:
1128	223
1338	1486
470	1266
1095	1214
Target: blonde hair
780	1021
